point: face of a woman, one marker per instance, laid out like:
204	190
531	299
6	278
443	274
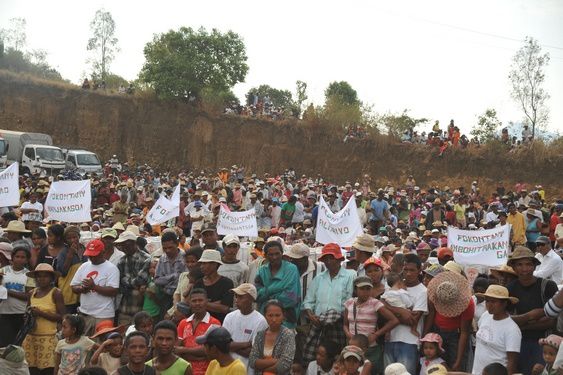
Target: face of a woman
43	279
37	241
72	238
274	316
19	260
274	256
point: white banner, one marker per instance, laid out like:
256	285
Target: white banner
9	186
488	247
240	223
69	201
165	209
341	228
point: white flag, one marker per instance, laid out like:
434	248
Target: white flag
165	209
9	186
341	228
239	223
69	201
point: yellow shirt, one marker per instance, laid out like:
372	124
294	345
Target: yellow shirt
235	368
518	228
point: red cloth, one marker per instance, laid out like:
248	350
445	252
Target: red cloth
187	334
553	221
450	324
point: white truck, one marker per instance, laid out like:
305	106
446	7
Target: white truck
34	152
82	161
3	153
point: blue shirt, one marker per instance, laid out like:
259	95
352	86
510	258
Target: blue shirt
326	293
378	209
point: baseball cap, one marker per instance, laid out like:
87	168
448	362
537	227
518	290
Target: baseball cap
298	251
109	232
353	351
445	251
214	335
543	240
362	281
208	227
331	249
246	288
94	248
230	239
126	236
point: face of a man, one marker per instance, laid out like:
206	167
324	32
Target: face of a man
524	268
164	341
410	273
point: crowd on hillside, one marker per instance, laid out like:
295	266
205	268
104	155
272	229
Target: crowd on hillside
117	295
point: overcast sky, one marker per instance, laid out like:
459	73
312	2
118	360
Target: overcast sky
440	59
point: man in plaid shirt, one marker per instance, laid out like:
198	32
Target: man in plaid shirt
134	273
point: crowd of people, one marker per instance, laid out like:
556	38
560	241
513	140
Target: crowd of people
117	295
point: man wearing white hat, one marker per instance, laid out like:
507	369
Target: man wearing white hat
364	248
233	268
244	323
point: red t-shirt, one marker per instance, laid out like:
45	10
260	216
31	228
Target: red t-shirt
450	324
187	334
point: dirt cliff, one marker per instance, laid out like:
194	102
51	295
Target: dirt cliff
178	135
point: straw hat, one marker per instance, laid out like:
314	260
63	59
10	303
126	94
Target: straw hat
118	226
497	292
364	242
504	269
43	267
106	326
453	267
450	292
522	252
17	227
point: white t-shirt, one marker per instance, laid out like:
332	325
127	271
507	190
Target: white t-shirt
402	332
237	272
299	213
494	339
244	328
116	256
104	274
16	281
33	216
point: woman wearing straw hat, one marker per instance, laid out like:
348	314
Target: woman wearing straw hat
451	310
48	307
498	337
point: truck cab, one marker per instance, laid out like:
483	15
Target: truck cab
38	158
83	162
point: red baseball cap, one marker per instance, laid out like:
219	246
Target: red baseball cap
94	248
377	262
332	249
444	251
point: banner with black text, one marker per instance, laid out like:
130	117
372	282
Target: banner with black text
69	201
341	228
489	247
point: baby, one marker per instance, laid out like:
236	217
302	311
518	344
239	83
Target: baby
397	296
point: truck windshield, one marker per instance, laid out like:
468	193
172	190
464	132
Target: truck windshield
2	147
87	159
51	154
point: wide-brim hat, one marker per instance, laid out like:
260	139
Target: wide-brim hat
551	340
497	292
364	242
450	293
210	256
106	326
504	269
43	267
17	227
522	252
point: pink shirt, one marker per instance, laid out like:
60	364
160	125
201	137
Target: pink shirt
365	321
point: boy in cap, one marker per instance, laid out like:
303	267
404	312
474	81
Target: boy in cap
217	342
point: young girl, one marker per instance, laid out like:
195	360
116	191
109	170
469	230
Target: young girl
151	294
353	358
71	351
431	351
550	346
326	356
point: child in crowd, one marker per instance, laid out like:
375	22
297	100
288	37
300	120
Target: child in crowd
352	358
151	303
327	352
431	351
142	321
71	351
362	342
495	369
108	355
397	296
550	346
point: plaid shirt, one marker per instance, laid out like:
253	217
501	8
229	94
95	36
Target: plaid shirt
134	272
168	272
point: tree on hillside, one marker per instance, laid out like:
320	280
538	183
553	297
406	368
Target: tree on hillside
526	76
487	126
182	63
103	43
15	36
279	98
398	124
341	91
300	94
